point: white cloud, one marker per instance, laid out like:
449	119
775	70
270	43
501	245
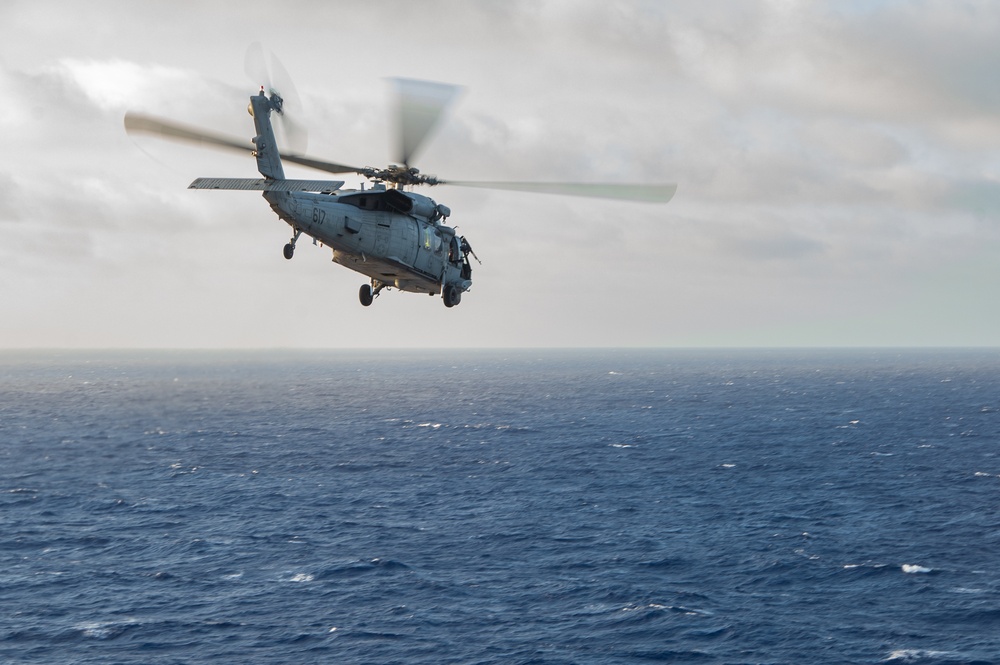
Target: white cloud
117	85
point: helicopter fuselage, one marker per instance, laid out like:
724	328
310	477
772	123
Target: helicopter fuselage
392	237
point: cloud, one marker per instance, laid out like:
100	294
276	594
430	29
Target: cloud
10	200
115	86
981	198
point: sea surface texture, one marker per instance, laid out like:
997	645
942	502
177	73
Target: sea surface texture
545	507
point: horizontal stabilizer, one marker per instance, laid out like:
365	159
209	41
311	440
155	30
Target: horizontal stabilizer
267	185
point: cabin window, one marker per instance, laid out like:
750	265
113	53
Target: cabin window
365	202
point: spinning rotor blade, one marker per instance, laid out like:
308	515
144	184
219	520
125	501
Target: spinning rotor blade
138	123
277	81
321	165
255	65
646	193
419	105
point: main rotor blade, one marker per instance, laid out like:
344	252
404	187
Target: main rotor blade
319	164
420	105
646	193
137	122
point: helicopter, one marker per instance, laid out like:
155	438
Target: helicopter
396	237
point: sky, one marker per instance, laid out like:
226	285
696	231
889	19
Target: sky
837	163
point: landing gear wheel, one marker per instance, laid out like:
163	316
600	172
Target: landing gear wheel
289	250
452	296
365	295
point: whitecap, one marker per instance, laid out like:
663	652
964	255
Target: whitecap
659	607
105	630
633	607
915	655
865	566
96	630
302	577
914	569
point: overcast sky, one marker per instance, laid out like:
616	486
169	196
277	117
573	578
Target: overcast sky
838	170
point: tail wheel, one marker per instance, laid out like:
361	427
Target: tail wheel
366	295
289	249
452	295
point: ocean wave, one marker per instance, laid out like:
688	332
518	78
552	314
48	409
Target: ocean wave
106	630
358	568
932	657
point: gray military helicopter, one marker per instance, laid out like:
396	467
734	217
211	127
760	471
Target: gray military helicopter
392	235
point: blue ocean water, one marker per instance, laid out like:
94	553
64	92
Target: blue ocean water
547	507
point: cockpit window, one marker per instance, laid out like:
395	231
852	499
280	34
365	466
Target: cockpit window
432	241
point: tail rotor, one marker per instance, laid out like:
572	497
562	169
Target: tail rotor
265	70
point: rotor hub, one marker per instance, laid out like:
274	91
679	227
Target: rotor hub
398	175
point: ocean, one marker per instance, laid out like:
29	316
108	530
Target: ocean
528	507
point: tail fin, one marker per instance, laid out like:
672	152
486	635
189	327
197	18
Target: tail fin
268	159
